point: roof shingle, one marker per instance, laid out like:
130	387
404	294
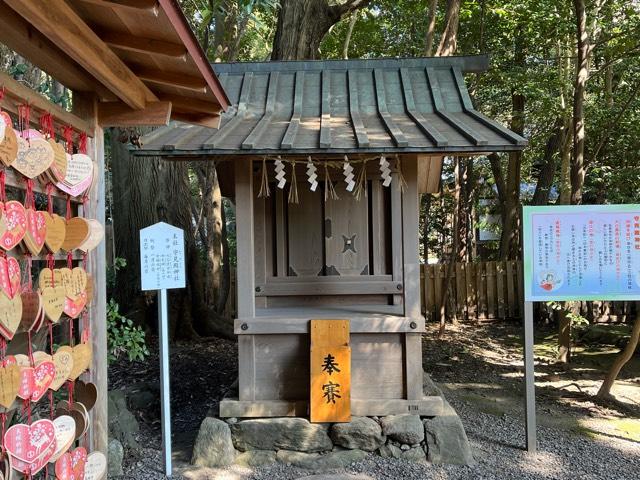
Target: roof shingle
343	106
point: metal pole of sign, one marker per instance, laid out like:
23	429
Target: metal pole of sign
163	317
529	379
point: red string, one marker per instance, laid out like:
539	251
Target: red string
30	350
69	260
3	351
70	388
3	192
68	214
29	265
50	325
24	118
51	263
6	271
67	133
29	199
2	90
3	420
46	125
82	143
50	198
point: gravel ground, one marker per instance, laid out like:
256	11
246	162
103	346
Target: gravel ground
496	439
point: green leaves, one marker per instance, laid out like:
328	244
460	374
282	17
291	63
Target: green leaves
123	337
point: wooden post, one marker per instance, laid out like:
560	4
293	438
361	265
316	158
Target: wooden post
410	221
244	234
86	107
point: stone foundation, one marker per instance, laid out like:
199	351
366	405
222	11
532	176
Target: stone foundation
318	447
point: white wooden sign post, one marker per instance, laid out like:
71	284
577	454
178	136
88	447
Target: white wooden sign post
162	268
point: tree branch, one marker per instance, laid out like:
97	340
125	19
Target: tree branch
341	9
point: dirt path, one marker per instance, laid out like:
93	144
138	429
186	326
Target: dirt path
482	365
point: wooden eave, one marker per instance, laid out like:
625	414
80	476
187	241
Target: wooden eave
139	57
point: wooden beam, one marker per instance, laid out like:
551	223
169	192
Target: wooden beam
150	5
209	121
17	34
133	43
17	93
171	79
190	104
374	323
118	114
62	25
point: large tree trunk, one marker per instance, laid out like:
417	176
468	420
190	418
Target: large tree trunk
302	24
549	163
147	191
621	360
509	188
449	40
431	28
582	74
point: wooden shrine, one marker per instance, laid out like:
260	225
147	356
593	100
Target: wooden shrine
126	63
344	149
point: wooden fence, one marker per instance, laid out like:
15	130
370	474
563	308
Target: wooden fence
486	290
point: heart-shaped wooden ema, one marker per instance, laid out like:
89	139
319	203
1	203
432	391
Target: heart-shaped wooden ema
26	382
85	393
77	231
9	276
78	189
82	355
15	219
30	442
43	375
31	309
58	168
96	234
65	431
75	411
74	281
9	384
50	278
79	169
40	356
10	315
73	307
3	125
63	362
34	157
53	302
56	231
3	226
70	466
96	467
34	467
9	147
36	231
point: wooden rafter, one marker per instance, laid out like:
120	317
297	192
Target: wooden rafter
111	114
171	79
18	35
150	5
191	105
58	22
132	43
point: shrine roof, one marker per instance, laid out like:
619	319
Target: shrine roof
407	105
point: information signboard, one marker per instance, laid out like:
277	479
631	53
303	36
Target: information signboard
581	252
162	257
